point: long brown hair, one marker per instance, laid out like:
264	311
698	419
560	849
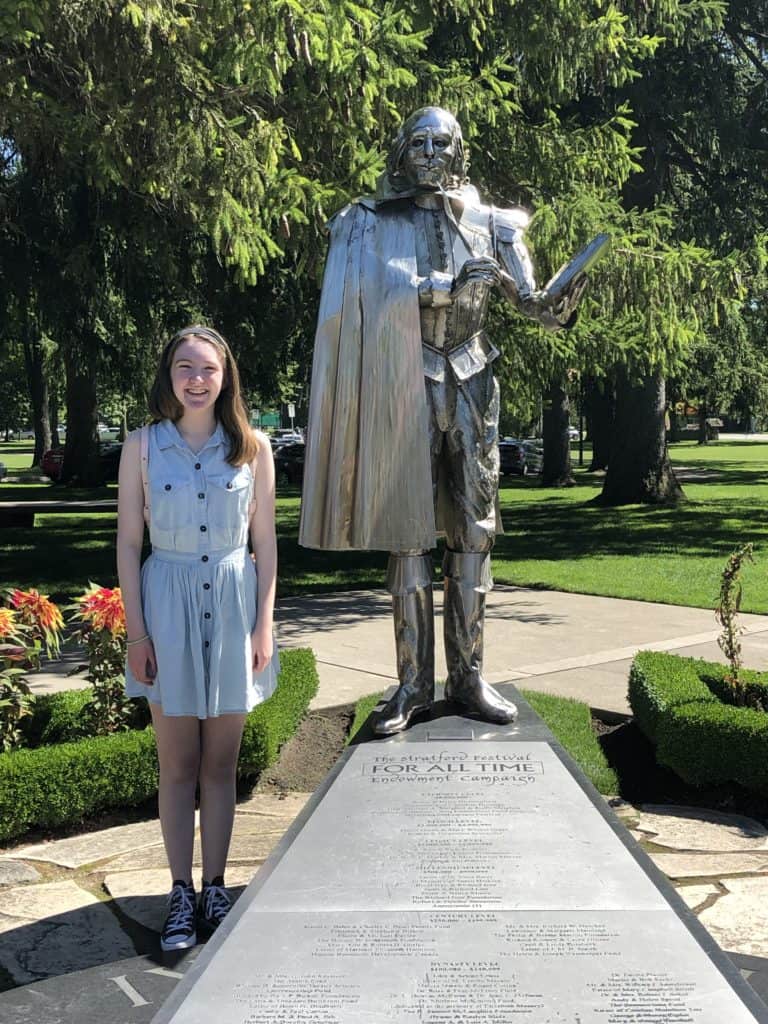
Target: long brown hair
230	408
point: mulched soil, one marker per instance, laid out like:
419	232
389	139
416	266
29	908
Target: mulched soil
311	752
642	781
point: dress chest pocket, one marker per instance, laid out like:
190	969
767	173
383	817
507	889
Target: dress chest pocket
172	503
229	494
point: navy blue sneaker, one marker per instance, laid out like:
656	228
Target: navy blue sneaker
215	903
179	928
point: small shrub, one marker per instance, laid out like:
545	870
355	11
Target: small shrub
679	705
727	613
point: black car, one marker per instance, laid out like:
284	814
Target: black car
289	463
520	458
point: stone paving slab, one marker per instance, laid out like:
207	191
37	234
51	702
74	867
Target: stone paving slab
55	928
283	808
696	896
13	871
90	847
709	865
142	895
249	848
693	828
739	919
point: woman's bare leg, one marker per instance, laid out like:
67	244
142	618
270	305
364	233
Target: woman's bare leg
178	751
218	767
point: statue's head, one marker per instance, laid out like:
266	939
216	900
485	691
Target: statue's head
428	152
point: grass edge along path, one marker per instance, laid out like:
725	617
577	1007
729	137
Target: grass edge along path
569	720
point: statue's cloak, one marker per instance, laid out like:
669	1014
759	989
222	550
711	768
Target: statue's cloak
367	479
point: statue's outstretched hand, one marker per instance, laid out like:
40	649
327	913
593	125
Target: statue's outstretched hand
564	309
479	268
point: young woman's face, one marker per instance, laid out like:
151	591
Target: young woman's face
197	374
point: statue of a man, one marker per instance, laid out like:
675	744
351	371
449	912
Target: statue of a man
403	423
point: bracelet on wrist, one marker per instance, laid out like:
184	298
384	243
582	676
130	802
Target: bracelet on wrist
138	640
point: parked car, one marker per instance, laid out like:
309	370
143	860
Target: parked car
51	462
109	460
281	437
533	457
289	463
520	458
573	433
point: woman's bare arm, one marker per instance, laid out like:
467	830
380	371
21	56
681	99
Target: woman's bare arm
264	544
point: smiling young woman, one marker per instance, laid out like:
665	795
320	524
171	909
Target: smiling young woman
198	617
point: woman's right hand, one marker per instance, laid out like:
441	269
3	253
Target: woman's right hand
142	663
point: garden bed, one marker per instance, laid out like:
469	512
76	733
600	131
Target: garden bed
60	778
684	706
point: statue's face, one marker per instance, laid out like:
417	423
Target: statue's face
430	151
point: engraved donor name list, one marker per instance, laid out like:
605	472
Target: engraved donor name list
459	883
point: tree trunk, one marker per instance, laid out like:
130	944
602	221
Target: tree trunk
704	437
54	417
81	449
556	471
600	412
34	361
639	471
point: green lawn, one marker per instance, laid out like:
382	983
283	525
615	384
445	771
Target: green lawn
674	555
553	539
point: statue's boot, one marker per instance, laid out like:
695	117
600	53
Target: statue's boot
409	580
467	580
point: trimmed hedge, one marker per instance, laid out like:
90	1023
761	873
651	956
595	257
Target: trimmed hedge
680	705
58	718
60	784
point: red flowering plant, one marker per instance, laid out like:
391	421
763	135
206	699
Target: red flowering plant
18	652
100	627
40	617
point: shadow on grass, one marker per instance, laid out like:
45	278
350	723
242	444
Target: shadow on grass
568	531
60	555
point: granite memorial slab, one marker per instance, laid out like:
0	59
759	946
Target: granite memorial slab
461	874
128	991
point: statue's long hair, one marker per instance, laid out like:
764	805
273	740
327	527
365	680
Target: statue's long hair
459	165
230	409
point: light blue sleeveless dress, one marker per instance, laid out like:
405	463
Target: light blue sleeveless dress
198	587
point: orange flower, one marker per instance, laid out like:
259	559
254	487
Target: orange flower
36	609
8	622
103	609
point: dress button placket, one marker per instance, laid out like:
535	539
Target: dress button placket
204	546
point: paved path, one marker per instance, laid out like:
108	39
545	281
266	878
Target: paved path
75	903
573	645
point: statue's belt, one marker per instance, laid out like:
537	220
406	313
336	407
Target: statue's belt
465	360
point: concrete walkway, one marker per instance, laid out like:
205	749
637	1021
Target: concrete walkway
573	645
71	904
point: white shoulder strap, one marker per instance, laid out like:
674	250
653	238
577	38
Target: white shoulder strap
144	453
252	502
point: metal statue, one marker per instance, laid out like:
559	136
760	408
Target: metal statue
403	422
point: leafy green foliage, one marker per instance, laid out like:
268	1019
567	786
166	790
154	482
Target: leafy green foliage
697	735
